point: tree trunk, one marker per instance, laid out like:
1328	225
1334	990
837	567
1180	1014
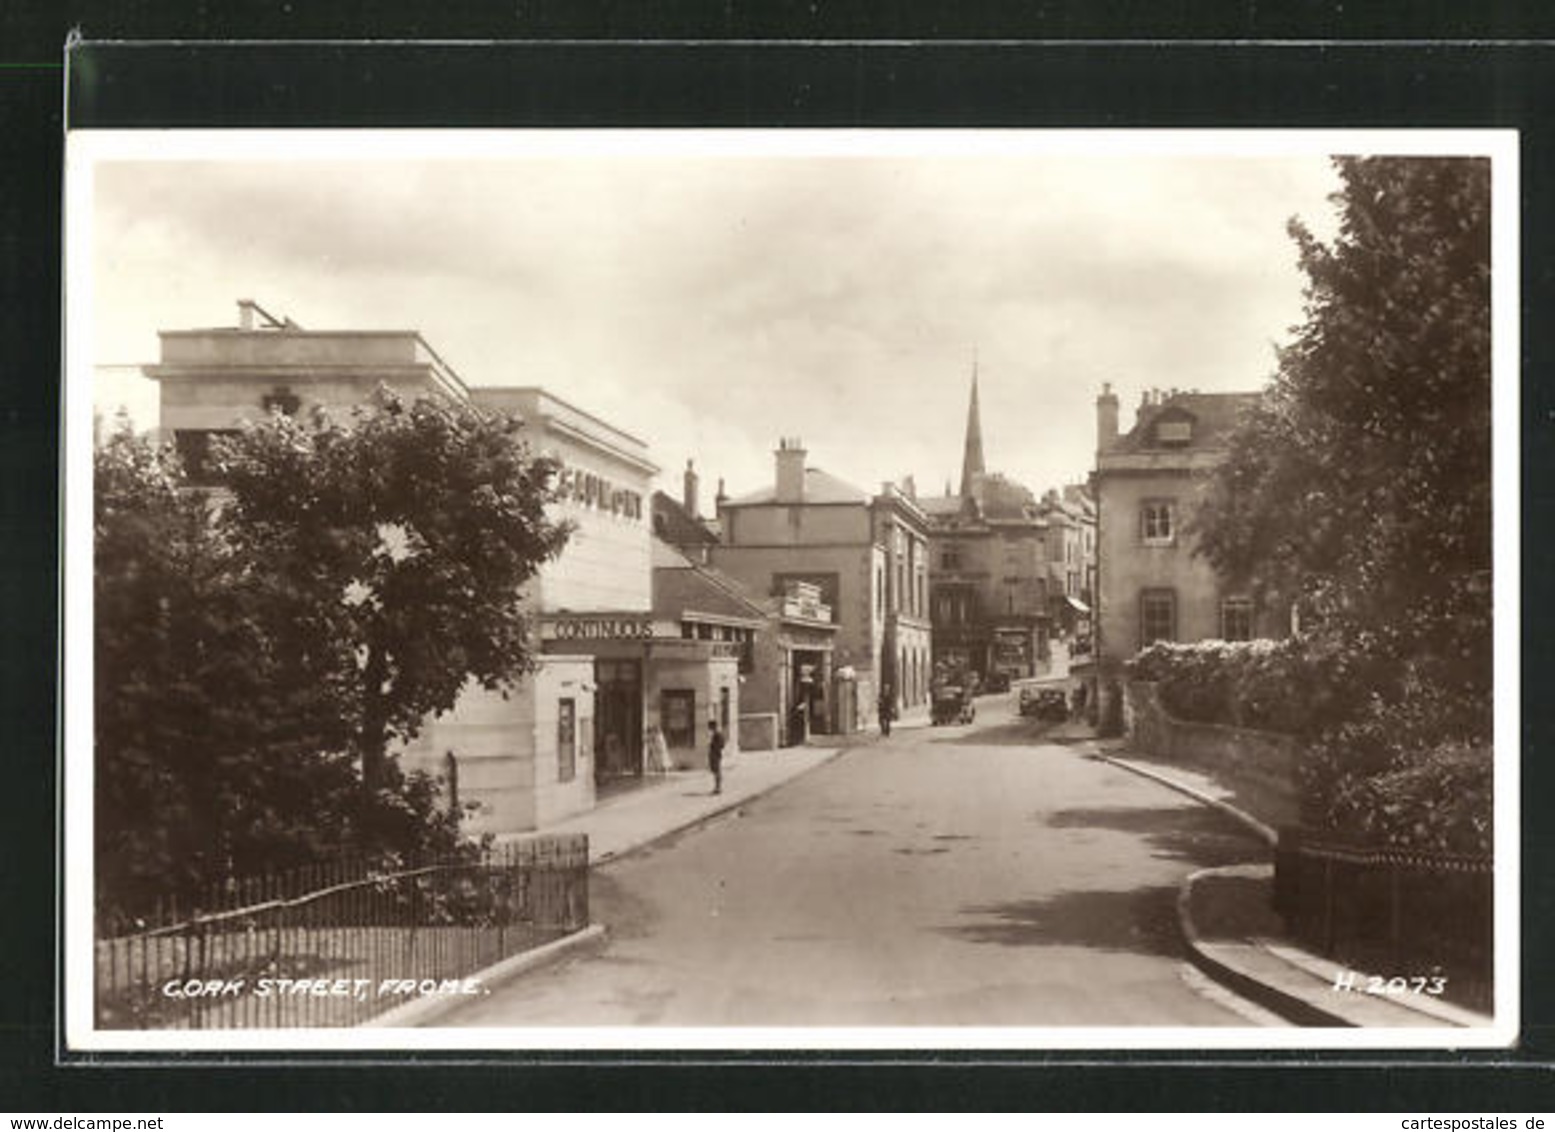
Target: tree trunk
373	739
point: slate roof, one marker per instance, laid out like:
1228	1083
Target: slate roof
1215	416
675	525
681	589
819	487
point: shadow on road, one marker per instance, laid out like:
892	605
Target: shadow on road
1019	733
1203	837
1143	920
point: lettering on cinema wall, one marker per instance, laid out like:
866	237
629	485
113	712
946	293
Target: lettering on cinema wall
600	493
601	628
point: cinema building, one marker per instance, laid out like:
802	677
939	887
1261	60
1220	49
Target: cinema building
611	671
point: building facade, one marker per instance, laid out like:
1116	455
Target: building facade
611	670
863	557
1149	483
1008	573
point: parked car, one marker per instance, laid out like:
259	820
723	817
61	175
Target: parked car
952	704
1044	703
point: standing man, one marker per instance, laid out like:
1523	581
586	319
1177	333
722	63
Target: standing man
887	709
715	755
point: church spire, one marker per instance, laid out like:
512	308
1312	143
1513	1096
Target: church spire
972	460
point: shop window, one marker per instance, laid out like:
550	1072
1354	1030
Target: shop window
566	739
1236	619
678	716
1157	525
1157	616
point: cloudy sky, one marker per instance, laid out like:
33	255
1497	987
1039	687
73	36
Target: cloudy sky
711	296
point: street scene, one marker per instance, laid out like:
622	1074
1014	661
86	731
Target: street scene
878	890
775	580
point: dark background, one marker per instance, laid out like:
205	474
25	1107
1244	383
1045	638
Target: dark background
728	64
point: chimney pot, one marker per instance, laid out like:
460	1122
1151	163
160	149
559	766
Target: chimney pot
790	471
690	484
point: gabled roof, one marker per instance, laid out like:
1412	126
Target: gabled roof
1214	415
940	506
675	525
682	589
819	487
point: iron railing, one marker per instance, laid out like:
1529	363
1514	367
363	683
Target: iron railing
337	944
1413	912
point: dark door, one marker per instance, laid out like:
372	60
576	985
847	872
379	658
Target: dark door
618	718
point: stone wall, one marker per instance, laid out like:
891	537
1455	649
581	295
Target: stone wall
758	731
1259	766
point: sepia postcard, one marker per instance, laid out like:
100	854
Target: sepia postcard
775	589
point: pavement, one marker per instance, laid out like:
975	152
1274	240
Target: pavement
1234	935
664	804
1224	913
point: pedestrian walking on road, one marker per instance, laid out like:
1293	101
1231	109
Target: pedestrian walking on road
715	755
887	709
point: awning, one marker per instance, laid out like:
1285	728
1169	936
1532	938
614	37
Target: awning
1077	605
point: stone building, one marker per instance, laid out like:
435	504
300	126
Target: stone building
1007	571
606	656
864	557
1149	482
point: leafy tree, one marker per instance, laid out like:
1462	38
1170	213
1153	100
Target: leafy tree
1362	482
259	647
212	755
398	544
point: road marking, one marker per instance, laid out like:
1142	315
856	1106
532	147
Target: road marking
1207	987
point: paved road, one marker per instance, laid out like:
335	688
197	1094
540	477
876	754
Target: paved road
956	876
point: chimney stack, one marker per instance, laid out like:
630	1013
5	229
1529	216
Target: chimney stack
790	470
689	492
1106	418
246	314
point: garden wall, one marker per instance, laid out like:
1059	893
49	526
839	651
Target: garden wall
1258	766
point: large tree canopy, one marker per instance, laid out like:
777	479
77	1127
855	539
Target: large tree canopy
261	647
406	535
1363	481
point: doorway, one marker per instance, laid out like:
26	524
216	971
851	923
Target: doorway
618	719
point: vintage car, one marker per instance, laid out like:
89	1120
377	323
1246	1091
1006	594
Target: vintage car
1049	702
952	703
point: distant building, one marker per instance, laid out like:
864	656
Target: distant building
1007	572
1150	481
866	559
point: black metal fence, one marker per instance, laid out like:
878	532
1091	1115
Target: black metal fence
337	944
1395	912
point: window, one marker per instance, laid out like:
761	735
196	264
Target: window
1236	619
1174	432
950	558
566	739
1157	616
723	710
1156	526
678	717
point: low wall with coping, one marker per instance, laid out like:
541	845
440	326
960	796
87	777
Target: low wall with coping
759	731
1260	766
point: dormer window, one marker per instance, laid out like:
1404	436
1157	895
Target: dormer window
1174	432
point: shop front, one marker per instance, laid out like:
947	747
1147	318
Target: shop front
653	693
